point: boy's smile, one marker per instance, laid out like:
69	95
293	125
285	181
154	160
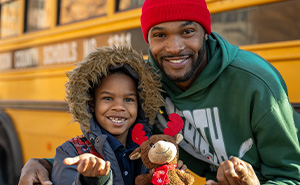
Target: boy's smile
116	104
116	120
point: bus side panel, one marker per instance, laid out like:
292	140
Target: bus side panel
40	132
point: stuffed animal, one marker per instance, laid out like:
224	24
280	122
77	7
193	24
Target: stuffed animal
160	152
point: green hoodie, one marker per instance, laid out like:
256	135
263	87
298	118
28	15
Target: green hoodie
238	106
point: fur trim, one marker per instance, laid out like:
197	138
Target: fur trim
96	65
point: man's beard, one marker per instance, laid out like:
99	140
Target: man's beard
189	74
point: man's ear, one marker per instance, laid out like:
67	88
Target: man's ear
135	154
206	36
178	138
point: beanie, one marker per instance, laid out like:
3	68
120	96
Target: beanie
158	11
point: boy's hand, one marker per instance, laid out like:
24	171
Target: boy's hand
89	165
236	172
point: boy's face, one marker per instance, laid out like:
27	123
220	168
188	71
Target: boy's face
116	104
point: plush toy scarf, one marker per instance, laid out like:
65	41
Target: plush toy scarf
160	176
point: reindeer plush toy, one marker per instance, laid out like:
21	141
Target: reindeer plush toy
160	152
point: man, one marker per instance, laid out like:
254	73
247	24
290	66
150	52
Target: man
239	125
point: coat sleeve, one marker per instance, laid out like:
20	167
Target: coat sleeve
103	180
278	144
64	174
61	173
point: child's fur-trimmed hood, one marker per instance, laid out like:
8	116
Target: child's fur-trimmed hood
96	65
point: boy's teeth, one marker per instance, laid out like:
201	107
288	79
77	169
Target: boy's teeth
117	120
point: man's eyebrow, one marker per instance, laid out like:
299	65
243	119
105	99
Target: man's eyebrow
154	28
186	23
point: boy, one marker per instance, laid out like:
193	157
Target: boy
110	91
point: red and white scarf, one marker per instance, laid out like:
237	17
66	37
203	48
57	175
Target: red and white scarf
160	176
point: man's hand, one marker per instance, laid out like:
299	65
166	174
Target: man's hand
211	182
89	165
236	172
35	171
181	166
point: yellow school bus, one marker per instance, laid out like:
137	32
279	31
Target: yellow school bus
40	40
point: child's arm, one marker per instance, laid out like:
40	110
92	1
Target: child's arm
92	169
61	173
68	174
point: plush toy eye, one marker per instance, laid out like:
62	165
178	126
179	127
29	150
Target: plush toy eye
151	145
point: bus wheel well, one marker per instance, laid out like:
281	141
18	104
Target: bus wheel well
11	160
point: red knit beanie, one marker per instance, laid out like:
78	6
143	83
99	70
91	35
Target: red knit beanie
158	11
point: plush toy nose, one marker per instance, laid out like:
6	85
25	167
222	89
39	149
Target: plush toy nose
162	152
161	146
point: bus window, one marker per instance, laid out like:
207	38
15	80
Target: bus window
128	4
9	18
259	24
37	15
76	10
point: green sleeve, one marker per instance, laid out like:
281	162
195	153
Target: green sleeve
102	180
278	145
50	160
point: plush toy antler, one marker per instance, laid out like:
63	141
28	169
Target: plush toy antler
138	134
160	152
174	125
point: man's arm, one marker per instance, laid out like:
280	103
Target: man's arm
36	171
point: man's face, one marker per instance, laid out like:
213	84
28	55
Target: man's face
178	48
